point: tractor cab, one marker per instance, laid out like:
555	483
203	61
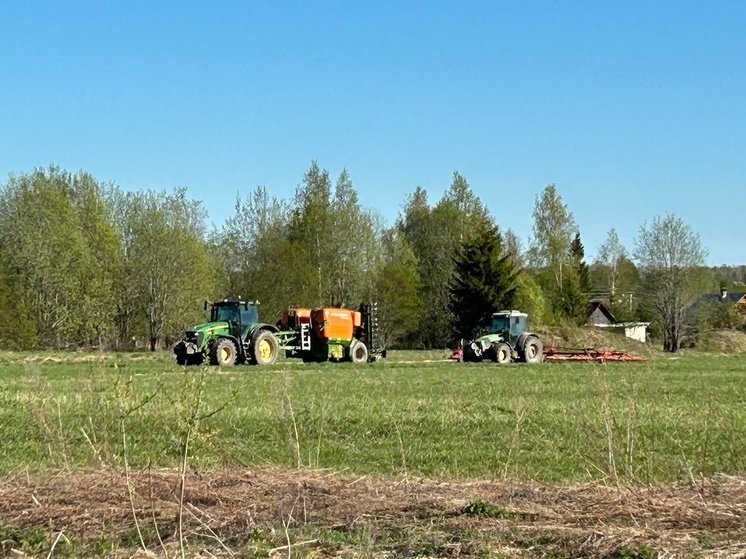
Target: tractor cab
509	324
238	314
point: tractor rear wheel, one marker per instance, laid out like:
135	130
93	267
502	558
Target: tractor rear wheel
265	348
225	353
502	353
533	351
358	352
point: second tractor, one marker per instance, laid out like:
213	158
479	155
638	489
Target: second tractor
508	340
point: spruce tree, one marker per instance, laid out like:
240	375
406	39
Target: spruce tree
485	281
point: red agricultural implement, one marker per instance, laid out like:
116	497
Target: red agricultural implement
601	355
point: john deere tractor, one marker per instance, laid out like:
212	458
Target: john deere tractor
233	335
508	340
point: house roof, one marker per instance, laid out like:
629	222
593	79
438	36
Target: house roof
738	296
731	297
601	306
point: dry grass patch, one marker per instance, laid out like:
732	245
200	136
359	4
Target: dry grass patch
322	513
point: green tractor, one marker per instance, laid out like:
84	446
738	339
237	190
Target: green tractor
508	340
233	335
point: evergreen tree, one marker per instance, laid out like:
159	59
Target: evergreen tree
436	235
485	281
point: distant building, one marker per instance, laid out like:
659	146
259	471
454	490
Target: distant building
737	298
600	315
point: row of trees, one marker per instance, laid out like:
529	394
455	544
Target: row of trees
84	263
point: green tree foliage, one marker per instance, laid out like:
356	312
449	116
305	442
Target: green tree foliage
550	254
260	262
609	260
321	248
485	281
397	291
530	299
671	259
719	315
167	267
553	232
337	240
571	299
18	325
60	254
436	234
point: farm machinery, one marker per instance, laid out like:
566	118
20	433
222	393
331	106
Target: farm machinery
335	334
508	340
234	335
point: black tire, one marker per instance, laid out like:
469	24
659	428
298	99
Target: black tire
358	352
265	348
225	353
472	352
502	353
533	350
195	359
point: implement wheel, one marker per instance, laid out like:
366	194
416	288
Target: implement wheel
264	348
225	353
359	353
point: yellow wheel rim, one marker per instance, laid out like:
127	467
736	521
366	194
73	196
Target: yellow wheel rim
225	354
265	350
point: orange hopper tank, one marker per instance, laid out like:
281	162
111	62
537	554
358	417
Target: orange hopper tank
291	318
335	324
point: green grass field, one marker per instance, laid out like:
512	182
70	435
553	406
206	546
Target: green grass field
668	419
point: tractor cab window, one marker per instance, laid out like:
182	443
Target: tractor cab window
225	313
518	325
500	323
249	315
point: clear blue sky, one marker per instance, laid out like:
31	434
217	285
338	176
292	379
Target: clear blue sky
633	109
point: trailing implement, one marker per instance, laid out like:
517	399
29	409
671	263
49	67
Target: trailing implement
335	334
233	335
508	340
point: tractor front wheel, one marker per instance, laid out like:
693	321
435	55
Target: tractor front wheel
225	353
502	353
265	348
533	351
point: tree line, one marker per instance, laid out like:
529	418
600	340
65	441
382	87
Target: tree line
89	264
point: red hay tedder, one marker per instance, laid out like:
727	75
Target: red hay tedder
601	355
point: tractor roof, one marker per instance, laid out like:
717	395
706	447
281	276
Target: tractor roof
509	313
229	302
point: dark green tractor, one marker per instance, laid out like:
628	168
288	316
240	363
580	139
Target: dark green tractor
233	335
508	340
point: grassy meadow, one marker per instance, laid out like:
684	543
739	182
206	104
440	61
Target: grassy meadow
668	419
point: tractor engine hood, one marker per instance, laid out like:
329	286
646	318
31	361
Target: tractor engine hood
196	336
475	350
209	327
